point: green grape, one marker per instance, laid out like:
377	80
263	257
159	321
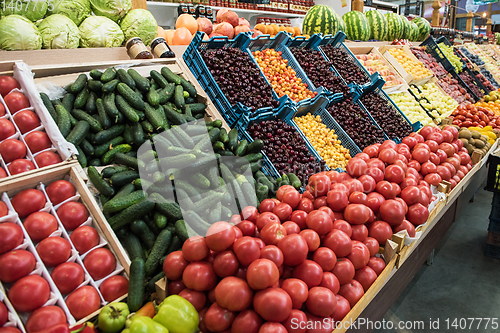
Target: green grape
450	55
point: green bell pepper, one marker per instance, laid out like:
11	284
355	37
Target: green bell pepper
112	317
146	325
177	315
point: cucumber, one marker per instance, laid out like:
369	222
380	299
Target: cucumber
110	86
132	245
95	86
223	137
147	127
209	201
161	111
107	158
141	82
165	94
171	210
79	84
179	161
111	170
81	158
159	249
256	166
110	106
172	138
94	125
154	85
95	162
128	136
132	153
188	87
95	74
87	147
189	114
124	77
197	108
175	245
148	156
108	75
262	192
120	119
158	177
100	150
134	99
130	214
108	134
200	180
218	146
173	116
179	100
151	285
233	139
121	178
194	130
138	134
103	199
285	180
226	153
136	284
216	123
140	114
226	214
190	189
103	117
159	79
215	213
154	117
199	225
182	137
181	230
78	132
140	228
129	161
68	101
255	157
170	76
160	220
151	224
190	100
294	181
100	184
255	147
153	98
81	99
90	105
48	104
63	121
124	191
126	109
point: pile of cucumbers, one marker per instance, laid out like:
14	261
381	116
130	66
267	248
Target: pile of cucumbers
120	109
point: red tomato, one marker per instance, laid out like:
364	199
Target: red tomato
26	121
406	225
283	211
344	270
261	274
377	264
83	302
3	174
15	265
265	218
368	182
4	313
433	178
247	250
272	327
359	255
29	293
12	149
312	239
37	141
365	276
44	318
386	189
299	217
199	276
220	236
225	264
247	321
388	155
267	205
352	291
294	248
59	191
272	233
247	228
371	151
293	322
84	239
421	155
282	190
374	201
249	213
7	129
353	185
47	158
234	293
305	205
319	221
67	277
54	251
337	200
297	290
175	287
320	185
344	226
272	304
16	101
2	110
174	265
357	214
321	301
392	212
196	298
381	231
8	83
40	225
339	242
218	319
11	236
20	166
394	173
72	214
342	309
359	232
114	287
411	195
99	263
372	245
326	258
4	211
330	281
417	214
356	167
291	227
310	272
195	248
291	197
272	253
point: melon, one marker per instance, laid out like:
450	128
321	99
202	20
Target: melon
320	19
357	26
378	24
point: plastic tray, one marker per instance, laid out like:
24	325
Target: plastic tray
196	64
476	81
437	53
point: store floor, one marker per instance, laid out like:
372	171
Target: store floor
460	283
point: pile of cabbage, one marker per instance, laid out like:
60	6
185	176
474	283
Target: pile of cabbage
68	24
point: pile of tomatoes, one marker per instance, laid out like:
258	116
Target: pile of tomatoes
28	286
472	115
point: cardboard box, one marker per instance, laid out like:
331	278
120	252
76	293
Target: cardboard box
409	78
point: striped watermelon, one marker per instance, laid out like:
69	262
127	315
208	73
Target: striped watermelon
394	26
414	32
406	27
340	23
378	25
424	28
357	27
320	19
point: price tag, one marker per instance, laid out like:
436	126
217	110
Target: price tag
344	3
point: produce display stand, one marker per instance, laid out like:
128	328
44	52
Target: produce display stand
409	78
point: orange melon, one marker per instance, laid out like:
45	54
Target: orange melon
168	36
188	22
182	36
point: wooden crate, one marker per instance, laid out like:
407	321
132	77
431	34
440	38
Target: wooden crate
409	78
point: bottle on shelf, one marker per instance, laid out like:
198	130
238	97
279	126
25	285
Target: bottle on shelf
200	10
137	50
209	12
182	9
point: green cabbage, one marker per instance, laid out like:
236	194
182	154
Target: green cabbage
100	31
76	10
19	33
140	23
59	32
33	10
112	9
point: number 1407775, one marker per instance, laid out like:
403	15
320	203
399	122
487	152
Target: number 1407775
20	6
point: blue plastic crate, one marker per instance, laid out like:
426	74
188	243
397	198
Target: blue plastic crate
463	85
194	60
476	81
